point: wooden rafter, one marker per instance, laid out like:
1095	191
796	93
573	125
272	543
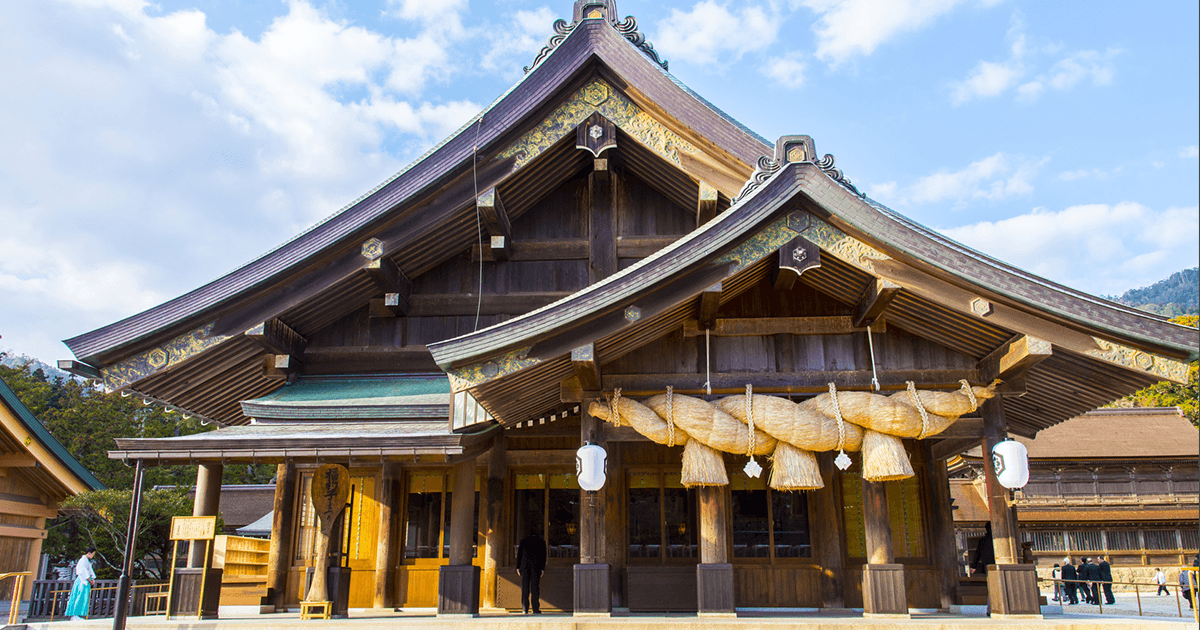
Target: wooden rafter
874	301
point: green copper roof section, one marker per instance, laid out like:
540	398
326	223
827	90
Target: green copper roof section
39	433
395	396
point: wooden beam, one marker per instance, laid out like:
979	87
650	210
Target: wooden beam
79	369
600	168
562	249
362	359
17	460
390	305
23	508
499	247
874	301
587	366
542	457
641	246
441	305
765	326
280	366
570	390
949	447
602	227
769	382
21	531
491	209
795	257
964	428
390	279
706	203
706	310
1014	358
277	337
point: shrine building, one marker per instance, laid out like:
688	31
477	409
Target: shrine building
602	239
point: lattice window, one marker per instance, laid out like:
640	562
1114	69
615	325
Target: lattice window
1161	539
1190	538
1085	541
1122	540
1047	541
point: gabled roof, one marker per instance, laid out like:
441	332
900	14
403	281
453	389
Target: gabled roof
941	282
401	211
25	435
1144	432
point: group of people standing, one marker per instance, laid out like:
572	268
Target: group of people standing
1085	580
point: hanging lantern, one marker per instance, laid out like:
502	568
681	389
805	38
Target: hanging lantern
590	462
1010	459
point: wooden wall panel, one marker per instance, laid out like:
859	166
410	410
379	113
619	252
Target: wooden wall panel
417	586
671	354
779	586
643	211
658	588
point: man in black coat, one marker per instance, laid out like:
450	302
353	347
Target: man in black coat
1068	574
985	552
1105	571
531	564
1089	574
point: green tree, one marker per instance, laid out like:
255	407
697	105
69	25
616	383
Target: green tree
100	519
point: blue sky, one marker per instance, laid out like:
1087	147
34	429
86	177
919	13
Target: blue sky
150	148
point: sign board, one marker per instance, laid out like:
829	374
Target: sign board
193	527
330	489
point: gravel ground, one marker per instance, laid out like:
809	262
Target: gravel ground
1127	604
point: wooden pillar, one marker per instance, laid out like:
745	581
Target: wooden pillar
458	583
941	528
614	527
385	551
34	561
1012	587
207	503
602	226
593	591
827	539
884	593
714	574
282	522
496	536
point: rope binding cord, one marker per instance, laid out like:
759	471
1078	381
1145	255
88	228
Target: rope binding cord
670	416
970	392
613	406
753	468
707	370
842	460
916	401
874	375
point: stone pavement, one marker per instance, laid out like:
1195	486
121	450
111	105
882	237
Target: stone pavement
1127	605
747	620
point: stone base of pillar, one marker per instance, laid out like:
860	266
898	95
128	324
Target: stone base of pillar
883	590
458	590
1013	590
714	589
593	595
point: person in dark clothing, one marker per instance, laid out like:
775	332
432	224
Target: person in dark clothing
531	564
985	553
1070	587
1089	574
1105	571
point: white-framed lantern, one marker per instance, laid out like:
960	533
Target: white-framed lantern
590	463
1010	460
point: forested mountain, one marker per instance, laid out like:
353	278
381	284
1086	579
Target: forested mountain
1174	296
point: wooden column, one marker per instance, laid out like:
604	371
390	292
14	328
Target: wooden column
282	522
941	528
207	503
458	583
592	592
602	226
714	574
827	539
385	551
614	527
883	587
497	518
1012	587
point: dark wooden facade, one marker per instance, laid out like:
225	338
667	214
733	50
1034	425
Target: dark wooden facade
632	237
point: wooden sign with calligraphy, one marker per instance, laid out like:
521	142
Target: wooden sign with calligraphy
330	489
193	527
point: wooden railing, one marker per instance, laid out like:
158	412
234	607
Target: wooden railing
1194	582
49	598
14	612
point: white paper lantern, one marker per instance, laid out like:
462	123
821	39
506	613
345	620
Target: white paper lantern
1010	459
590	462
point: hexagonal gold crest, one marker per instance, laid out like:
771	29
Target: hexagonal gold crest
372	248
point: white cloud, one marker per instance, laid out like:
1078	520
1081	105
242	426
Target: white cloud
1103	249
992	78
148	153
1083	173
1190	151
787	70
994	178
515	45
848	28
710	33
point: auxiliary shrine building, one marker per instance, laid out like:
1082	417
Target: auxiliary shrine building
601	235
